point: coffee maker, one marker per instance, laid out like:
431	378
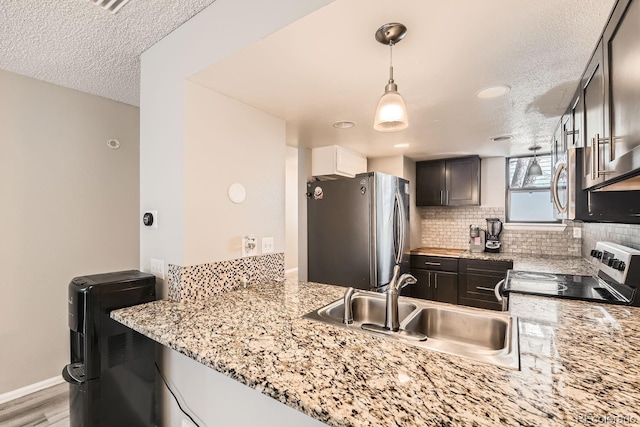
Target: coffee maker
476	238
494	228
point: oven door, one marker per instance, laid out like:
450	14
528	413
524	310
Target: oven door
560	188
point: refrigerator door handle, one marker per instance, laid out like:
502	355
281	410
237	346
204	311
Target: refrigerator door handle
395	230
399	237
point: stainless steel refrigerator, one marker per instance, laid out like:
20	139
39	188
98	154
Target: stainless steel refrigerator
358	230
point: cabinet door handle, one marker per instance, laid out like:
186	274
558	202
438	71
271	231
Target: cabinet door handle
441	197
599	141
429	280
497	291
435	280
593	158
436	264
482	288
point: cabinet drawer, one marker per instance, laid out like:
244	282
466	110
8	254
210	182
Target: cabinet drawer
434	263
480	266
479	285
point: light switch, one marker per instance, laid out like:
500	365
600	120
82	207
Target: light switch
157	268
267	245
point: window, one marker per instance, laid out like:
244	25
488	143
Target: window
529	197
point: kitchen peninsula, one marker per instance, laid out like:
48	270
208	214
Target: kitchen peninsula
257	336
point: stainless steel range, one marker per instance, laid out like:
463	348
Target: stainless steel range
617	281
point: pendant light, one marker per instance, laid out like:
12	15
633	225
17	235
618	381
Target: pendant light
534	168
391	114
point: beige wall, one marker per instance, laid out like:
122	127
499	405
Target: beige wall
393	165
226	142
68	207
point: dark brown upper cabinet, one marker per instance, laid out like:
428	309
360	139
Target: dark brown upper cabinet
594	123
610	93
448	182
621	50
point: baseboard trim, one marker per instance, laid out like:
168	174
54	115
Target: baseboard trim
32	388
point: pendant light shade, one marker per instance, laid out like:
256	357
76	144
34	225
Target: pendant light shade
391	113
534	168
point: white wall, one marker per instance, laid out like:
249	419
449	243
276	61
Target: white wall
291	209
492	182
405	168
229	142
164	70
415	237
304	175
172	181
218	400
69	207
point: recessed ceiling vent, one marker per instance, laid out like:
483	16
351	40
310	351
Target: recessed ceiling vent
112	6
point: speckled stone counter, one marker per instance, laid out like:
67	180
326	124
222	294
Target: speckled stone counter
540	263
522	262
578	359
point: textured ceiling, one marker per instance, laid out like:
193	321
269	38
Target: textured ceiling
76	44
328	67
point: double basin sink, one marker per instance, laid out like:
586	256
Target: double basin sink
480	335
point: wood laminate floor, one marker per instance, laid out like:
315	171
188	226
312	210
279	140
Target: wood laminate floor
49	407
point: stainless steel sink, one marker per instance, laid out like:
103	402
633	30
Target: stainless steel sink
481	335
473	330
367	307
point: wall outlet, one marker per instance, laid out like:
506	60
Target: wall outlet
249	246
577	232
157	268
267	245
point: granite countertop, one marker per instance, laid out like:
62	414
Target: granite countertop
577	359
523	262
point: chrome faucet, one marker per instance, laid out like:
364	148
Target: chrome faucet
391	321
348	309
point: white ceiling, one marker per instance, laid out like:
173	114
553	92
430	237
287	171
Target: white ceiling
328	66
77	44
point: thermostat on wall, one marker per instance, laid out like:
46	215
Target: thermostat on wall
150	219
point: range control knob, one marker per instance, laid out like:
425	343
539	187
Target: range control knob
622	266
615	264
593	253
596	254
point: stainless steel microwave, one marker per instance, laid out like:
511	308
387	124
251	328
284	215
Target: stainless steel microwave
571	202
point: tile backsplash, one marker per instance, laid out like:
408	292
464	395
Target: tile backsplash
196	282
623	234
448	227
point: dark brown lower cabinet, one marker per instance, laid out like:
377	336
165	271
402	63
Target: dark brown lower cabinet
433	284
476	282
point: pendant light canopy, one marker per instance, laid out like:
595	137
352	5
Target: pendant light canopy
391	114
534	168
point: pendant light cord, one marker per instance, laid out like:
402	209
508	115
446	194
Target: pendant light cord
390	62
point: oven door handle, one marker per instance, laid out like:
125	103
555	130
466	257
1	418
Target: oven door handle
497	291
